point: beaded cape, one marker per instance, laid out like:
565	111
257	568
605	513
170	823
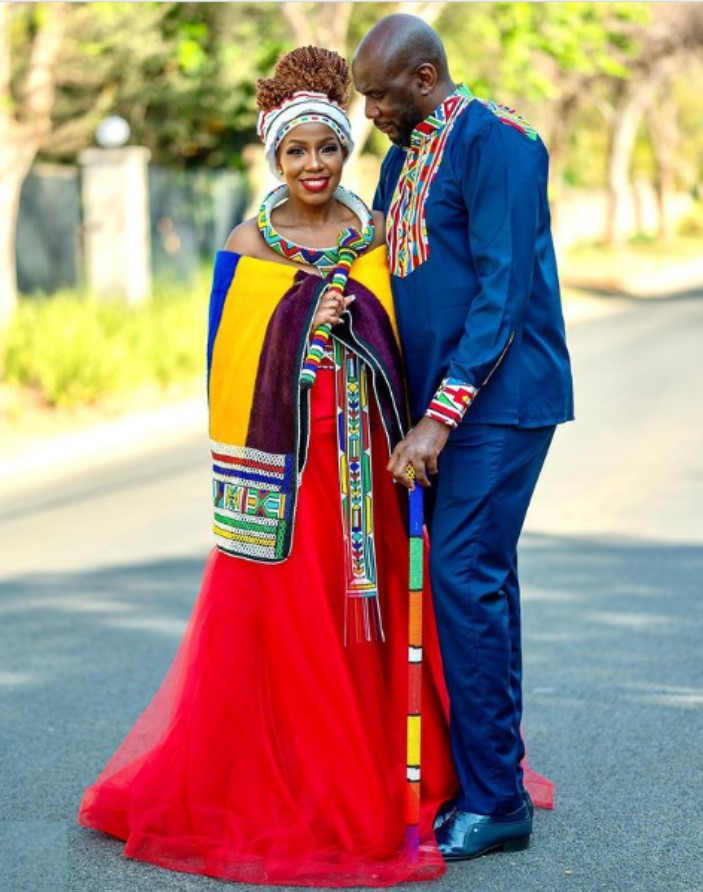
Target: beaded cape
260	316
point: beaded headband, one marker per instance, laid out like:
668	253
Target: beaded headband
302	108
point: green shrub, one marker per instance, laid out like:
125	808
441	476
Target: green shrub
691	224
76	350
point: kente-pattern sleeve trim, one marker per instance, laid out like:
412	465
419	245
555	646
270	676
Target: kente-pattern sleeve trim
450	402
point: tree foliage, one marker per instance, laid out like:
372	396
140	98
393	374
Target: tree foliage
181	74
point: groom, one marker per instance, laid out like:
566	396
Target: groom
464	190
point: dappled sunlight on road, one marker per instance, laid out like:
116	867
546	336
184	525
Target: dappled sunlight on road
170	628
16	679
634	620
666	695
50	603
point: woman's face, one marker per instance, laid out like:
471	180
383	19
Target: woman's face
311	159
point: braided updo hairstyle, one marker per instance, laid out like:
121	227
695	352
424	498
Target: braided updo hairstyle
307	68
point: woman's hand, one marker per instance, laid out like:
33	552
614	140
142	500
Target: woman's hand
330	308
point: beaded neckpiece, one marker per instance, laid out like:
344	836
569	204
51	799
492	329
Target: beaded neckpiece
324	259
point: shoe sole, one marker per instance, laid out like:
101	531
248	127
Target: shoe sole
510	845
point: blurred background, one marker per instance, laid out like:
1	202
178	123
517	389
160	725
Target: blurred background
128	152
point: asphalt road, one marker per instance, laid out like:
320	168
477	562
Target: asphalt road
99	568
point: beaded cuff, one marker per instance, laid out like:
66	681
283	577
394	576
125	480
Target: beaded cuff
451	401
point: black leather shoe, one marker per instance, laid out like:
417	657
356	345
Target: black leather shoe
448	809
466	835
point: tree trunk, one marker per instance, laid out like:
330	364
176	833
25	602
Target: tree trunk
564	114
319	24
663	127
626	120
15	162
9	201
25	121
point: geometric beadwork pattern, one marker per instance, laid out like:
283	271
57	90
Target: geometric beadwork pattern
251	497
325	259
363	615
406	226
509	116
450	402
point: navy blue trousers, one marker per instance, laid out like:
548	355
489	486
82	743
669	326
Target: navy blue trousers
475	510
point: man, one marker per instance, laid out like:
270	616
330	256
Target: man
464	190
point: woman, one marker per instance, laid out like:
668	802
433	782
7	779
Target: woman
275	751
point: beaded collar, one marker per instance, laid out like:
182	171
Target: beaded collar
434	123
324	259
406	224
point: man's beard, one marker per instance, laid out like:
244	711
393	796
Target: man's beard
408	119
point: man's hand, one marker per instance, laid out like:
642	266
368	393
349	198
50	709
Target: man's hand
419	451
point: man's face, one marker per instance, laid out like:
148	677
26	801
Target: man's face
391	99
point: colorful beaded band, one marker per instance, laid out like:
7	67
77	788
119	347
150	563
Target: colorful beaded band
325	259
450	402
302	108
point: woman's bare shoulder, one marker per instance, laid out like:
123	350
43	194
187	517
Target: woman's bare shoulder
245	239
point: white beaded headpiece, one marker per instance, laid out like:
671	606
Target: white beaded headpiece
302	108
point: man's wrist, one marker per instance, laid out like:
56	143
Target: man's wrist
450	402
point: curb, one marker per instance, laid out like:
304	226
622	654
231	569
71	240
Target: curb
647	281
99	444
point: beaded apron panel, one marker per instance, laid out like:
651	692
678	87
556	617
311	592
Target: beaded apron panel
251	498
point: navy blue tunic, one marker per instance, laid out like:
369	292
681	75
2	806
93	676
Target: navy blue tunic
489	287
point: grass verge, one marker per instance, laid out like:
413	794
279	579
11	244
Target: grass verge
70	350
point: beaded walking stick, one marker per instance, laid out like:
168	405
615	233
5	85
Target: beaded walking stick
349	243
412	802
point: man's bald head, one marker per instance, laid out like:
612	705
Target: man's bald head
403	42
400	67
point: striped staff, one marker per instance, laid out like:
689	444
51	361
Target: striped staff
349	244
412	802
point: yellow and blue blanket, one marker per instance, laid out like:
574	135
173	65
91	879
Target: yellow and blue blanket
259	327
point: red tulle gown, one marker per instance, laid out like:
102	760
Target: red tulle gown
273	753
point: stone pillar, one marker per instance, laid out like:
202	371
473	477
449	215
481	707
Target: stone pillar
117	236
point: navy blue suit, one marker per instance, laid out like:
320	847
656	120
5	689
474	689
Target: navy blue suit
484	308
